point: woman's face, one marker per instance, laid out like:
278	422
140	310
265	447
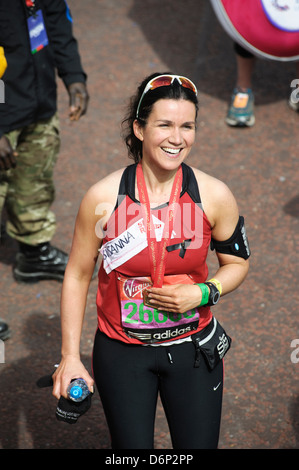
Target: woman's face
169	133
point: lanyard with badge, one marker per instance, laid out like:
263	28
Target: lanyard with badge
36	27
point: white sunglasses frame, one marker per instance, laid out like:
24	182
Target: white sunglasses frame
174	77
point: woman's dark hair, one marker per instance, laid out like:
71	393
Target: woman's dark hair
174	91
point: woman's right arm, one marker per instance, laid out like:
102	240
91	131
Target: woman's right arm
95	210
81	265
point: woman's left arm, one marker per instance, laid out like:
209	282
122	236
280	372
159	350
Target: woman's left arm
224	217
223	214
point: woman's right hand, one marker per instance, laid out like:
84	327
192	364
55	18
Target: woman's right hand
69	368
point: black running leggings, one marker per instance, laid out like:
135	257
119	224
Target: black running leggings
129	378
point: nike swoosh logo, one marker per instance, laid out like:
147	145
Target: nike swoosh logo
215	388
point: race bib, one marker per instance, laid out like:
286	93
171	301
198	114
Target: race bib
148	324
284	14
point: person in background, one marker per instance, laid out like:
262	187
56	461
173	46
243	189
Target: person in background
153	222
4	328
241	109
37	40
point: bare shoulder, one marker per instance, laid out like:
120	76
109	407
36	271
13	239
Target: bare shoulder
217	198
105	190
212	188
108	185
100	199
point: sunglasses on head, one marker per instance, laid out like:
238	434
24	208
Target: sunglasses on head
166	80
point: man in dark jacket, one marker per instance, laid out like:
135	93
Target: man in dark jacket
37	39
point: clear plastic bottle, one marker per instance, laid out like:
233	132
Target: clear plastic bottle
77	390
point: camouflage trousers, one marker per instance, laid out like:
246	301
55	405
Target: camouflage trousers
28	191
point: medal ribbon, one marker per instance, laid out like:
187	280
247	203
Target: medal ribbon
158	253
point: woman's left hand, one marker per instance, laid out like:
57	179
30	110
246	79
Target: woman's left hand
177	298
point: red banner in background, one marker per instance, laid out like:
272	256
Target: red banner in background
268	29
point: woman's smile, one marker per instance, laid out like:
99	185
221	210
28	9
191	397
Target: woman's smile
171	151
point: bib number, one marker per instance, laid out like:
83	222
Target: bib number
141	314
148	324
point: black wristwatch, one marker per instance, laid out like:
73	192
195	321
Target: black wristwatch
214	295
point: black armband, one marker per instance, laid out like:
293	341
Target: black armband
236	245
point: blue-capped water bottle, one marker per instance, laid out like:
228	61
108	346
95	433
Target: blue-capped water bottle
77	390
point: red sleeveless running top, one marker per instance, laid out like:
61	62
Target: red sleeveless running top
187	251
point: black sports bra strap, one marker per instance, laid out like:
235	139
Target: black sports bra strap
190	184
127	183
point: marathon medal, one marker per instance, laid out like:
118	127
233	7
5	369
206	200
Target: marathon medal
146	300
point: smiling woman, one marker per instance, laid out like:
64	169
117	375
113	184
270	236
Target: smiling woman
152	223
168	135
151	90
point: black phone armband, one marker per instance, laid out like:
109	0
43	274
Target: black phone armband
236	245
